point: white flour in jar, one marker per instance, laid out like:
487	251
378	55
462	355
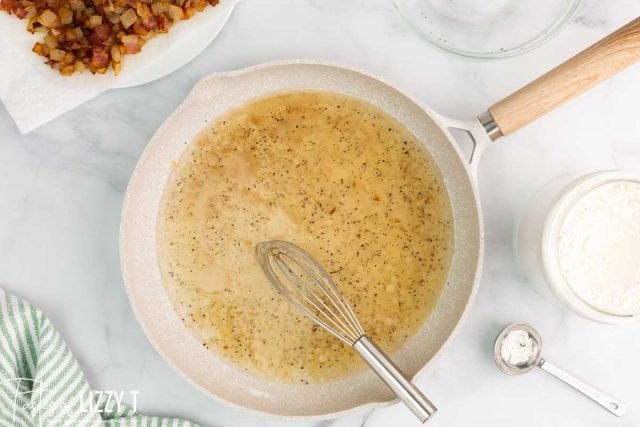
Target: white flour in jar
599	248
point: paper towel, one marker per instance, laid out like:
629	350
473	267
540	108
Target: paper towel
35	94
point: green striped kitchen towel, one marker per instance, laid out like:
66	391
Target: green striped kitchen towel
41	383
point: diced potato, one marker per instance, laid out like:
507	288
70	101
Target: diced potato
142	9
67	70
32	11
30	24
49	19
56	54
94	21
116	55
69	58
38	48
66	15
76	5
114	18
176	13
128	18
158	8
199	5
51	41
108	7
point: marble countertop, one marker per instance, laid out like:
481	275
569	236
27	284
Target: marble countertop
62	187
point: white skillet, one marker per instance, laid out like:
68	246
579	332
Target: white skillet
217	94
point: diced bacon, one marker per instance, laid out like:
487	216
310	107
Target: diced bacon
99	59
163	24
150	23
131	43
100	35
139	29
20	13
79	34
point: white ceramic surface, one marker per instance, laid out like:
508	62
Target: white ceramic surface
61	192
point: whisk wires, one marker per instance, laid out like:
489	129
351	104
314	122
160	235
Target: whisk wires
298	277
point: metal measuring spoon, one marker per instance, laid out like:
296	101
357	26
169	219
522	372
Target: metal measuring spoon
529	355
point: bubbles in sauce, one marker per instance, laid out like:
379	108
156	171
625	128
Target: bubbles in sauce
336	176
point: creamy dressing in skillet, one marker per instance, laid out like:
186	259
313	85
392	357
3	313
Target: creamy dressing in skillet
338	177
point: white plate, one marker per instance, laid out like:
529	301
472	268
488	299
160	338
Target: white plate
34	94
187	42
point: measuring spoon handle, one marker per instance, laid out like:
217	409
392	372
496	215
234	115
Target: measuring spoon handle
612	405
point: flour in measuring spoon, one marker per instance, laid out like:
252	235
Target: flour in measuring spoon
599	248
517	348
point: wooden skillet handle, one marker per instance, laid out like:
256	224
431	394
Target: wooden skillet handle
568	80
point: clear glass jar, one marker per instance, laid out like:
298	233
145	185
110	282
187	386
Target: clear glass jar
537	238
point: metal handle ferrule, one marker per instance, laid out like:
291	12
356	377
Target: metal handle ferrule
490	126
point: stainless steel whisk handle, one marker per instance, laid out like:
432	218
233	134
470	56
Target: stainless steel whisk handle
395	379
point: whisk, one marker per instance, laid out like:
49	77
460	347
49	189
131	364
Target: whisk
299	278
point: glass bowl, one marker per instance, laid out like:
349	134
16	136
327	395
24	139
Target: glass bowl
487	28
